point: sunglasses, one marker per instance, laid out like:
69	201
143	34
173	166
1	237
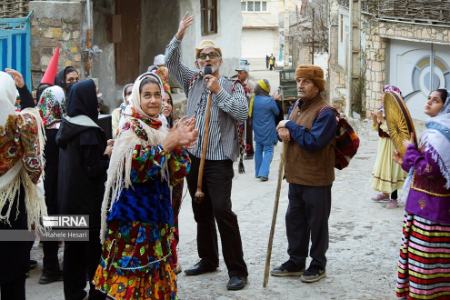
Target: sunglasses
211	55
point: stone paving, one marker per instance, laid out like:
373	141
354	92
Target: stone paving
364	239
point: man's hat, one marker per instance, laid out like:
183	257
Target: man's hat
206	44
159	60
313	73
243	67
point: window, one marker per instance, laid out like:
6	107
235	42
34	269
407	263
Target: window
257	6
250	5
209	16
254	6
243	6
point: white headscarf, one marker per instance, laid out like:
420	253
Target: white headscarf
8	93
436	139
135	101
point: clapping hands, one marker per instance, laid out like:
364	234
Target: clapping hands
184	134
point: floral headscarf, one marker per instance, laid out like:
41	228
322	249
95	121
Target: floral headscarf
51	106
388	88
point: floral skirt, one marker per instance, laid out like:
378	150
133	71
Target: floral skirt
135	262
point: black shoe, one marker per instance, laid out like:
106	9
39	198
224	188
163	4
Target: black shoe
248	157
262	178
236	283
288	268
49	277
200	268
313	274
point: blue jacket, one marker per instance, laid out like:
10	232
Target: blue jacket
265	111
322	131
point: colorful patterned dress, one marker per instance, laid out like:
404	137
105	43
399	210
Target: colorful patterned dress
136	257
424	264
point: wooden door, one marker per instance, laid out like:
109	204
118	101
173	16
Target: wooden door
127	50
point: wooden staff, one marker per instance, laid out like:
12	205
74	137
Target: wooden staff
274	215
199	194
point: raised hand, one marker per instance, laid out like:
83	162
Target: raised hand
17	76
185	23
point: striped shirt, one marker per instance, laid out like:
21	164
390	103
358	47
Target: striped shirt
229	107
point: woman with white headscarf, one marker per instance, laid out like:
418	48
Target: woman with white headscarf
424	264
21	203
137	216
51	108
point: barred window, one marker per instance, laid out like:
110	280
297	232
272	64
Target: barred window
209	16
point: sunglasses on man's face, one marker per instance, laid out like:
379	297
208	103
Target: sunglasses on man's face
211	55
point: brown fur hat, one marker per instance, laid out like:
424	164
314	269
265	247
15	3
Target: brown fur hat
313	73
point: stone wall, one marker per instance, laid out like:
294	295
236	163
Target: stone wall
415	32
375	57
53	23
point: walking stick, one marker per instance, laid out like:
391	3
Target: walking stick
199	194
274	215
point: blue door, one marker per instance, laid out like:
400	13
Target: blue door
15	46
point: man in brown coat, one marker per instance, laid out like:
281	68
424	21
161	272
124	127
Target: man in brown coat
309	135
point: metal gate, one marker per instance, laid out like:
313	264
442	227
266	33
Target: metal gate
418	69
15	46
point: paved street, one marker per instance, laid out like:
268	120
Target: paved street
364	239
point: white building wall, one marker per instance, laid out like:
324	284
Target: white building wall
257	43
227	38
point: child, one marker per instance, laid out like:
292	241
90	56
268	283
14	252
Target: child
388	176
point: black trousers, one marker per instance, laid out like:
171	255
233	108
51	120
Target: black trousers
216	206
50	260
13	290
80	262
307	217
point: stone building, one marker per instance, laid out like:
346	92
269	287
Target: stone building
116	40
404	44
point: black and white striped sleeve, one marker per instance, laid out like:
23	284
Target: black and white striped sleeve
177	70
234	104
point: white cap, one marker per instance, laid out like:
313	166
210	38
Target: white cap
159	60
243	67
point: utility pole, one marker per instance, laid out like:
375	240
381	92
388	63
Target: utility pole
353	54
312	37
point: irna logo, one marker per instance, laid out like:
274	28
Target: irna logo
66	221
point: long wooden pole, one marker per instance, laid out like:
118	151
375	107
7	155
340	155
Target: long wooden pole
199	194
274	215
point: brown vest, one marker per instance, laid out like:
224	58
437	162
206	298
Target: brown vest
313	168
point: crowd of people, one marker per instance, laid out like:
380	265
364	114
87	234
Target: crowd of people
131	186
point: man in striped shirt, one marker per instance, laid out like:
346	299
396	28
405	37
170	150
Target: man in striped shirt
229	107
